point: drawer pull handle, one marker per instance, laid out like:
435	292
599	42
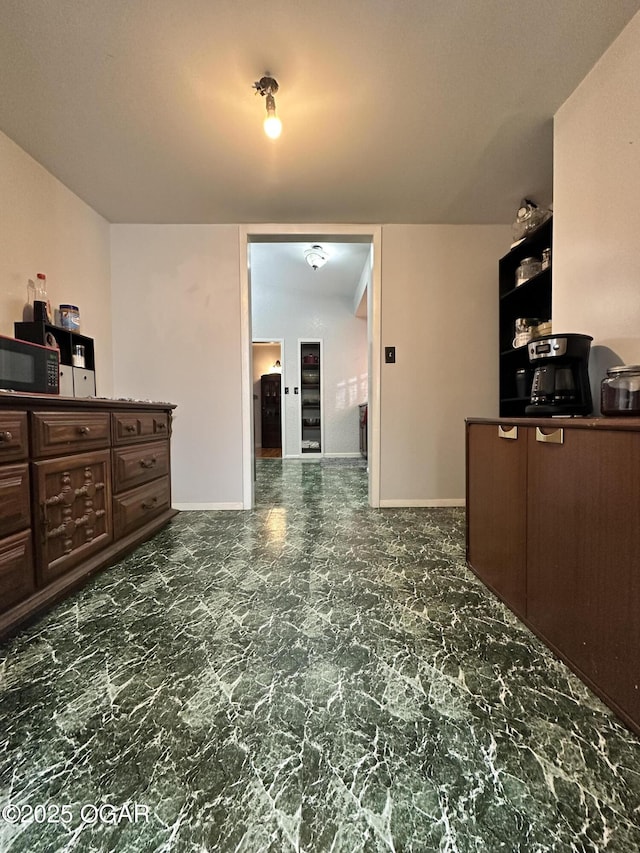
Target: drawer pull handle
130	428
148	463
84	430
150	504
508	432
5	436
555	437
161	426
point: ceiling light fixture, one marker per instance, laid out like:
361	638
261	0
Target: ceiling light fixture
267	87
316	256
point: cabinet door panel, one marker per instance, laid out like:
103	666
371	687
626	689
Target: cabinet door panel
583	546
84	382
14	498
73	495
496	511
16	569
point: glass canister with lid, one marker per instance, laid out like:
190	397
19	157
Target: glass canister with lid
527	269
620	391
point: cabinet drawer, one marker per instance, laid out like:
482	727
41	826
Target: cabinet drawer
129	427
133	466
14	498
57	433
17	577
137	506
13	436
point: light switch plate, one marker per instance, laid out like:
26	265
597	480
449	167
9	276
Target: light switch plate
390	355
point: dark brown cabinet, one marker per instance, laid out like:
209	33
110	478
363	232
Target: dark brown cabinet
583	556
552	529
271	410
81	483
17	572
497	510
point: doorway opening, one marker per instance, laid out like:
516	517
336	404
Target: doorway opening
268	424
370	237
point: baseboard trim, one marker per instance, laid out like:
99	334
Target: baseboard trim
418	502
318	456
196	507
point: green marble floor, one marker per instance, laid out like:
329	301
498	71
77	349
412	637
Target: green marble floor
310	676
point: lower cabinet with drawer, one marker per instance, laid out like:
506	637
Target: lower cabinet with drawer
82	482
552	530
17	570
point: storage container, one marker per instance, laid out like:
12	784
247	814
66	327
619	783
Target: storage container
620	390
70	317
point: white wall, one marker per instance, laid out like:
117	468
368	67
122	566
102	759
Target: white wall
45	228
439	309
278	313
596	264
176	308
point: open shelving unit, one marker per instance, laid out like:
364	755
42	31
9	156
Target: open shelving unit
310	397
531	299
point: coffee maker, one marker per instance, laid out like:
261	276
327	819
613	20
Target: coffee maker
561	375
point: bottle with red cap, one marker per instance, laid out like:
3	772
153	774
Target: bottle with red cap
41	305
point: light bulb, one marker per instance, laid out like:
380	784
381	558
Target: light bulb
272	126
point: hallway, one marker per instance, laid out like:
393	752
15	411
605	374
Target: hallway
313	675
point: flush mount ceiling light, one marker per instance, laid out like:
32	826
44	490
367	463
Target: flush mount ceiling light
316	257
267	87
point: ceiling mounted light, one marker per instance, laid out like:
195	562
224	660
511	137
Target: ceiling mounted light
316	257
267	87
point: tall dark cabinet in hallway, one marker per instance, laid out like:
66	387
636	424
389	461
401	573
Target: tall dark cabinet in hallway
270	407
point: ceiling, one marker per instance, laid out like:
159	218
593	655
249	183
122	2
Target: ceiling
282	266
412	111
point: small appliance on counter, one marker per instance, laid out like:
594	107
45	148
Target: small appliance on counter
27	367
561	375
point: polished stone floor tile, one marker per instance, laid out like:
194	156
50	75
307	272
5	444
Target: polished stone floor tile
310	676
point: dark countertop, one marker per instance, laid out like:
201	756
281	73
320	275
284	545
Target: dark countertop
620	423
17	400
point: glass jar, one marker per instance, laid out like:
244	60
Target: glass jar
70	317
527	269
620	391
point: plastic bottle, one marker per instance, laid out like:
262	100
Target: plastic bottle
41	305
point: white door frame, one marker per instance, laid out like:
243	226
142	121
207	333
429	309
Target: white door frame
295	233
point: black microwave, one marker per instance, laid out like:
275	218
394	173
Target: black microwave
29	367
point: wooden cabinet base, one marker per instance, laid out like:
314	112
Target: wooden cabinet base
62	586
552	530
82	481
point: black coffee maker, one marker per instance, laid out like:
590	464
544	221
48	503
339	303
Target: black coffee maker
561	375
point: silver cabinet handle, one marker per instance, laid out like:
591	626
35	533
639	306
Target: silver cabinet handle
555	437
508	432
